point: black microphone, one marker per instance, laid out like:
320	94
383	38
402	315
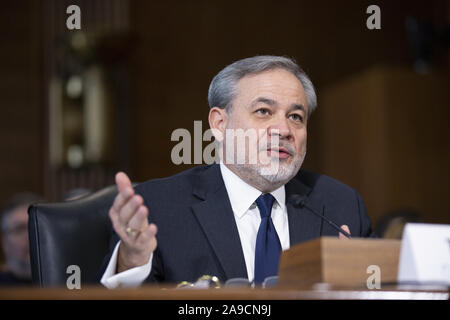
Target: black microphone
299	201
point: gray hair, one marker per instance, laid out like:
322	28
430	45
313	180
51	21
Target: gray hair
222	89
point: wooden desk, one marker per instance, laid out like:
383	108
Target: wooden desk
282	293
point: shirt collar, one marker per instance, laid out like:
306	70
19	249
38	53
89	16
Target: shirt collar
242	195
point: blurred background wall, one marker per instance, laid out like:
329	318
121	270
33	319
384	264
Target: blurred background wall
79	105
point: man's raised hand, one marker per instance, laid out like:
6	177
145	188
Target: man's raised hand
129	217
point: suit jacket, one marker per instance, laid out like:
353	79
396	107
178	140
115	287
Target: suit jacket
197	232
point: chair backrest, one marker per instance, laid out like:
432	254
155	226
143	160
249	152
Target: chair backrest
70	233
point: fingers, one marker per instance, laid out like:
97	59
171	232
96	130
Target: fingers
148	233
125	191
144	240
125	206
139	220
121	198
129	209
148	236
129	217
137	252
131	224
122	181
346	229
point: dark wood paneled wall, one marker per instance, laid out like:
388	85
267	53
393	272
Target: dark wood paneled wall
386	133
21	87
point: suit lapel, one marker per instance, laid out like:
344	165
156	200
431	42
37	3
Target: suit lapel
216	218
303	225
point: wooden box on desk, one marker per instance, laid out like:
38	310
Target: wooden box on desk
338	262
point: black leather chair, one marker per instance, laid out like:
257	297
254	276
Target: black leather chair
70	233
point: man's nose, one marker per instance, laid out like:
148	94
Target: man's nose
280	126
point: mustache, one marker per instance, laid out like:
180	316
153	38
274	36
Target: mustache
280	146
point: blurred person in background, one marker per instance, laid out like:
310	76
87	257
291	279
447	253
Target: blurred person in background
15	243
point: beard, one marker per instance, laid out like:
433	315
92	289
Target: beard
279	172
267	173
273	172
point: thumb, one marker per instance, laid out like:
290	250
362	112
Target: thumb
346	229
122	181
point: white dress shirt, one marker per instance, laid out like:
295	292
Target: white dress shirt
246	214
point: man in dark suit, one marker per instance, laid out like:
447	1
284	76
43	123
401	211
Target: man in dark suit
233	219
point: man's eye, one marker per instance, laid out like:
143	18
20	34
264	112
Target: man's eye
296	117
263	112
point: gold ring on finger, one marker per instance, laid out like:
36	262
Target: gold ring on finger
131	232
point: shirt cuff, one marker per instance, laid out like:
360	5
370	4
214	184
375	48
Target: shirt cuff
130	278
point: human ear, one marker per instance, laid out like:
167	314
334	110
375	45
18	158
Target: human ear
218	119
